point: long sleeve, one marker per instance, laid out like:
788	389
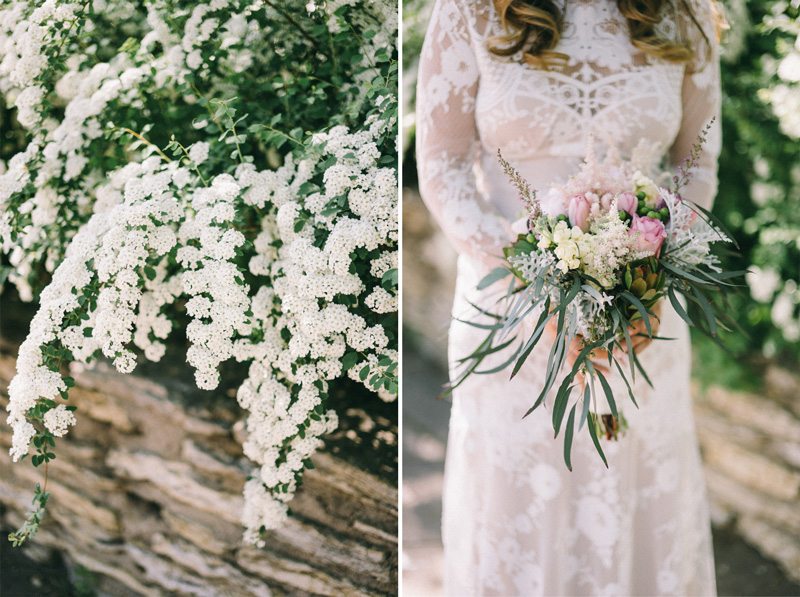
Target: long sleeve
701	103
447	138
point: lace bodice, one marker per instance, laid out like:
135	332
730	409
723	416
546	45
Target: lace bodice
471	102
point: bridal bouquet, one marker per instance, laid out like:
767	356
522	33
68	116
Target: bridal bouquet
594	259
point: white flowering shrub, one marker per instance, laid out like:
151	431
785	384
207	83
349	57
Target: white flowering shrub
759	197
226	168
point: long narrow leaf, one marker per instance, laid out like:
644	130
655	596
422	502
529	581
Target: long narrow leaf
568	433
502	366
627	383
587	399
609	394
482	354
682	273
676	304
639	366
561	403
595	440
493	276
481	326
631	298
533	340
708	310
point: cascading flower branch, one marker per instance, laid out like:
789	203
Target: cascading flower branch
267	229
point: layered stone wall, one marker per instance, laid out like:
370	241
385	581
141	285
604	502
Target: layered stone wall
146	495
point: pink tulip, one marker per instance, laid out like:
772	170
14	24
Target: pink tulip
649	234
578	211
627	202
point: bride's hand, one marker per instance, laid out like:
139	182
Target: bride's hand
640	340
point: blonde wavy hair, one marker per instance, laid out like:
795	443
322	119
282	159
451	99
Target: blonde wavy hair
534	27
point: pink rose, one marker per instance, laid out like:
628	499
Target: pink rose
578	211
649	234
627	202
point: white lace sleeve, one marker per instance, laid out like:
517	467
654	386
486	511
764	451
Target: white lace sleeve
701	103
447	139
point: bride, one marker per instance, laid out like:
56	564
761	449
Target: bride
538	79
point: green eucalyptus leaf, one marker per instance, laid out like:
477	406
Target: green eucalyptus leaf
568	433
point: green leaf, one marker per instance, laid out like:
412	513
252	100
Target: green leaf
561	403
707	309
534	338
587	400
348	360
150	272
609	394
641	309
483	353
390	279
595	440
676	304
493	276
681	273
568	433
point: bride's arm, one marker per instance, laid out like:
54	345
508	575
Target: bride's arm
447	139
701	104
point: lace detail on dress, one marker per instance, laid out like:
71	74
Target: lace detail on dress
448	80
516	522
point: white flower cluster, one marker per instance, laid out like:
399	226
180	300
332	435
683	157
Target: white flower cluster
305	329
24	43
219	296
38	377
784	96
607	249
91	303
143	230
127	230
600	253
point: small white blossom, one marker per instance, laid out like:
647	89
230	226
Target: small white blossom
198	152
57	420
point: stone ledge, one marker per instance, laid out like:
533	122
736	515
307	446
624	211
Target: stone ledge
147	496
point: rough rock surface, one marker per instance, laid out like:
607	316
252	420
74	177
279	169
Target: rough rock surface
146	495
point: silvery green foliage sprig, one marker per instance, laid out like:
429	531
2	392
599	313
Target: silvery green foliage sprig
188	174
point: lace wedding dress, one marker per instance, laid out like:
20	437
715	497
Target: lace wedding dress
516	521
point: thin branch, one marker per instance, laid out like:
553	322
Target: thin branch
297	26
163	155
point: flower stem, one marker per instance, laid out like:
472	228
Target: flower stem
163	155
